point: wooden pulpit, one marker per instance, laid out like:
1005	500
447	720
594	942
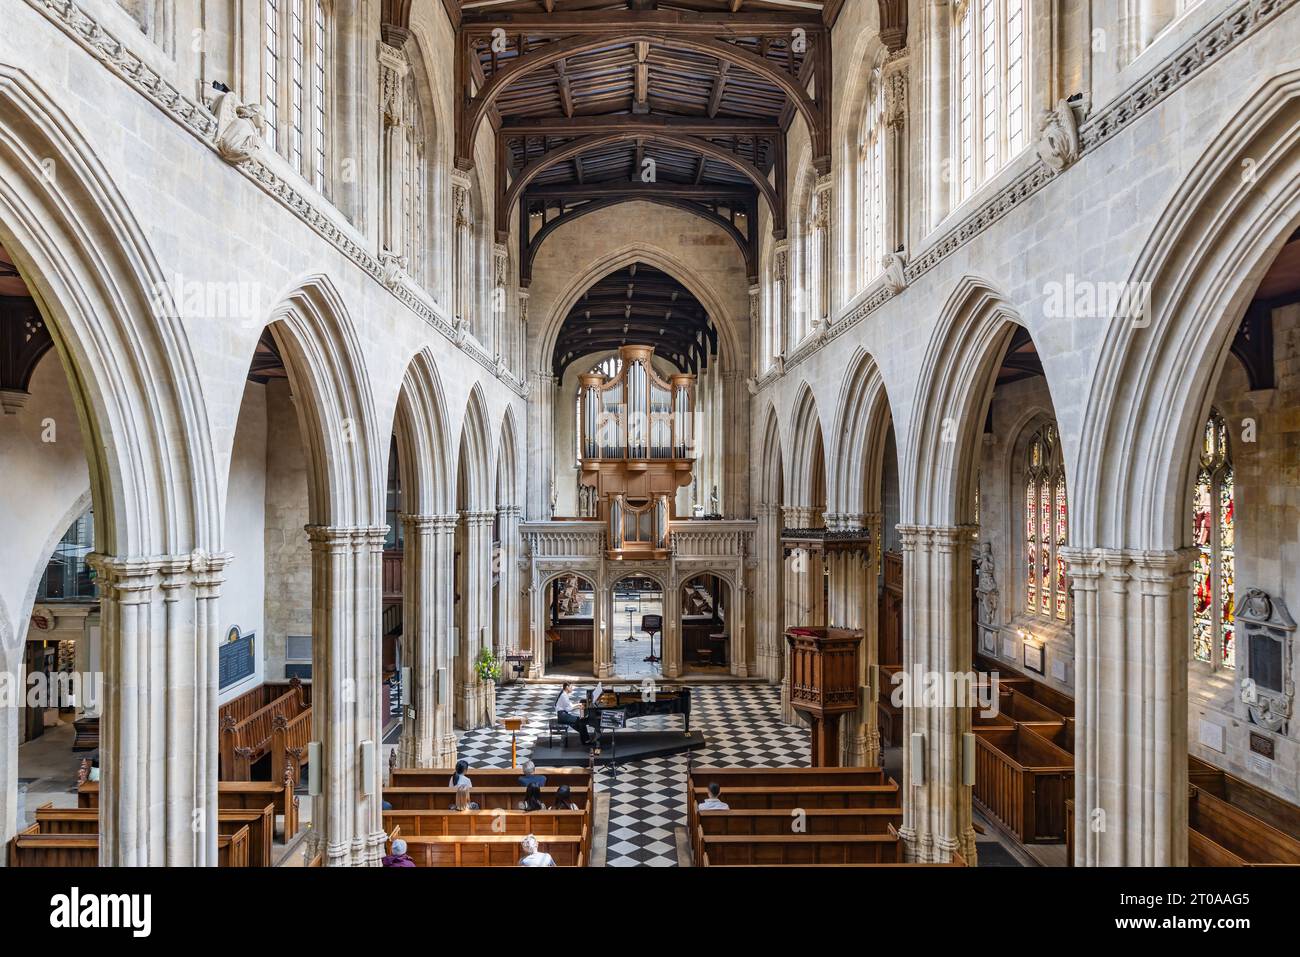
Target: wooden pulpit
824	684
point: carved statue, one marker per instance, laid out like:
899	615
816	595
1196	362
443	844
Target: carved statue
239	128
1058	136
394	268
987	586
895	277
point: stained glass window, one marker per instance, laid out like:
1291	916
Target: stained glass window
1213	612
991	66
1047	520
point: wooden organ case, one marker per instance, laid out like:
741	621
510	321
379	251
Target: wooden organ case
637	451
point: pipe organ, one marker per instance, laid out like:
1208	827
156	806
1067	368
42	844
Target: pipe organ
638	448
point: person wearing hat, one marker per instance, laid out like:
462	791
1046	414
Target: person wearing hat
399	857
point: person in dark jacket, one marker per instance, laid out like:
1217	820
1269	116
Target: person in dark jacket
530	776
399	857
532	799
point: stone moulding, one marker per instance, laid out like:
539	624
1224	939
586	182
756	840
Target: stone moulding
1216	39
198	120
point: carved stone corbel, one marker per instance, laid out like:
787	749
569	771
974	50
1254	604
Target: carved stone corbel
239	128
894	266
1058	136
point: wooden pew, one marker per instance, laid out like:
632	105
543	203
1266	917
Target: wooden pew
1022	780
232	795
245	741
34	849
260	824
728	778
786	798
759	850
489	850
487	777
467	823
1223	835
442	799
232	849
67	820
1255	801
255	795
869	820
889	717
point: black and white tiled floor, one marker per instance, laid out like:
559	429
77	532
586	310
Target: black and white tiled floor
742	728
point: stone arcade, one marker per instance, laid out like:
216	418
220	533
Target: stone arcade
978	324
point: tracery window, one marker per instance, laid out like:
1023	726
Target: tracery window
295	37
991	68
1047	518
1213	613
873	182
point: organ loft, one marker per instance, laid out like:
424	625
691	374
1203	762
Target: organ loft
637	450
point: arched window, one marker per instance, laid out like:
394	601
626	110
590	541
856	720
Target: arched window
1047	517
872	158
991	71
1213	615
405	197
805	296
295	37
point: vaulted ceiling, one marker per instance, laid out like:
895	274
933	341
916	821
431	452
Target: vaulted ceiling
684	103
638	305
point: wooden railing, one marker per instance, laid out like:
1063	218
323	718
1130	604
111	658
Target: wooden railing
289	738
244	742
1023	780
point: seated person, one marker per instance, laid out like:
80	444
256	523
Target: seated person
530	776
532	799
463	802
566	712
532	856
458	775
564	799
713	802
399	857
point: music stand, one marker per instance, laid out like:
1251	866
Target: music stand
651	624
512	724
611	719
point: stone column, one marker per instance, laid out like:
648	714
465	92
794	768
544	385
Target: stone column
346	613
392	148
158	737
541	445
1131	645
937	640
11	716
419	641
781	276
851	603
474	697
444	629
897	170
739	648
768	601
735	417
508	576
462	249
823	195
499	345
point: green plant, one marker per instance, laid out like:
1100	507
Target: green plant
488	666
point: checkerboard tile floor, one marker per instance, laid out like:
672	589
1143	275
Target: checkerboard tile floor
742	728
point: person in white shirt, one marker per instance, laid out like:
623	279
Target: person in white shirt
713	802
566	712
532	856
458	777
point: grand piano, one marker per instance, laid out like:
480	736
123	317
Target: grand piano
633	701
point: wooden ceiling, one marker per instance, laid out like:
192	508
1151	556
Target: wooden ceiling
638	305
680	102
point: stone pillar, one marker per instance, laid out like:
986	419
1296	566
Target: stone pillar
768	601
11	717
346	624
463	265
419	641
937	640
739	648
392	149
499	345
520	336
781	298
508	577
734	494
803	592
541	445
158	736
444	629
1131	622
474	697
897	170
851	602
820	273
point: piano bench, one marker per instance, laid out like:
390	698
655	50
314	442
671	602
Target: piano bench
553	728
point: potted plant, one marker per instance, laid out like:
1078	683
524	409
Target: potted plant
488	668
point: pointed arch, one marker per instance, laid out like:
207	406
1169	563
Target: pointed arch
808	473
952	396
474	460
860	434
508	481
322	356
423	450
772	461
1202	264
